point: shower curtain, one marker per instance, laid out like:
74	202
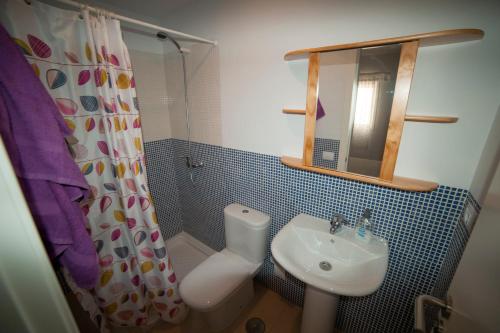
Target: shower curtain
84	64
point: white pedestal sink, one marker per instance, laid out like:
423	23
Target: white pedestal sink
330	265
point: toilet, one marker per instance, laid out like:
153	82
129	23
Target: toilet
220	287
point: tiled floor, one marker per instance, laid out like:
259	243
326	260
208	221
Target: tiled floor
279	315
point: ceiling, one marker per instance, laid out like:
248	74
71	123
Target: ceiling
156	9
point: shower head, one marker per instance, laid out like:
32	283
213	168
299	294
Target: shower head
163	35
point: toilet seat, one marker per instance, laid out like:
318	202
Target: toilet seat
211	282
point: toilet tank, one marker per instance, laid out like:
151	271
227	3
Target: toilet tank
247	231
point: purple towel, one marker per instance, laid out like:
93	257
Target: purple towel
320	112
33	132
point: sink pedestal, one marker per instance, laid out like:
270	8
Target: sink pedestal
319	312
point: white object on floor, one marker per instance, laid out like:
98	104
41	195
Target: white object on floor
186	253
219	288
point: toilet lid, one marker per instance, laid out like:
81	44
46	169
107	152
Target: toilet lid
214	279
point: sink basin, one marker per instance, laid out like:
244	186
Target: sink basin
338	263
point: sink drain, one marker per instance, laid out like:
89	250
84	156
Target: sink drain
325	265
255	325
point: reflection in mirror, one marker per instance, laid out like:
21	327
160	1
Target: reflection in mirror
356	89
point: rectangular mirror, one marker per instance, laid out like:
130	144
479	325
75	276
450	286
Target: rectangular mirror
355	97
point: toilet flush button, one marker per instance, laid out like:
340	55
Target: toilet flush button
245	211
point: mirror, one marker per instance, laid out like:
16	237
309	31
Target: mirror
355	95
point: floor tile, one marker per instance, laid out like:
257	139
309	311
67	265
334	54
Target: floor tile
278	315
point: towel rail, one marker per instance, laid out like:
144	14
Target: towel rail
444	306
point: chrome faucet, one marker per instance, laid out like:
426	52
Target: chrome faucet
336	222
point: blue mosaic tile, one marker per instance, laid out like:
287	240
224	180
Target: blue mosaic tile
163	187
420	227
455	250
326	145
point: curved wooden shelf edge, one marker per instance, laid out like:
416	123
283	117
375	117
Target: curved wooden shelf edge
399	183
425	39
431	119
294	111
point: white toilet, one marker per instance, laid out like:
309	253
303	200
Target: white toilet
222	285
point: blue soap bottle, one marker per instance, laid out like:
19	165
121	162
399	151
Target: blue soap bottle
364	226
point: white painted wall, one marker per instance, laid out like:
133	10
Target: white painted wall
488	161
256	83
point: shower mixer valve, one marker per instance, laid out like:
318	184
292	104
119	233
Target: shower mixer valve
191	164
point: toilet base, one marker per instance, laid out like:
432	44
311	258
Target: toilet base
225	314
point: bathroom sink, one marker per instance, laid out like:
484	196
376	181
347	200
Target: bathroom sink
340	263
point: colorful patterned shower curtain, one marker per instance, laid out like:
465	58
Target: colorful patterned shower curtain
85	66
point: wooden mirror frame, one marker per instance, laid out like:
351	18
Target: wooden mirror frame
408	57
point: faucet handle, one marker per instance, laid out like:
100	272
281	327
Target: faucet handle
338	219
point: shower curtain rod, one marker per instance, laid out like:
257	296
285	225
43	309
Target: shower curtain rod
138	22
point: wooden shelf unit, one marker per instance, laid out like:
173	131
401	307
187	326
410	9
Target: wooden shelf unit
400	183
409	49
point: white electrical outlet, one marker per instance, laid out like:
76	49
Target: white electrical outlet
328	155
278	270
469	217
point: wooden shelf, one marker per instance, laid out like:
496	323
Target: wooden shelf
431	119
415	118
425	39
400	183
294	111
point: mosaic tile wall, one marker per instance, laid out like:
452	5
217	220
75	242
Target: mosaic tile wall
456	249
420	227
163	187
321	145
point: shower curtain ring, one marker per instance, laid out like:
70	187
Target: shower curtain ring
83	8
